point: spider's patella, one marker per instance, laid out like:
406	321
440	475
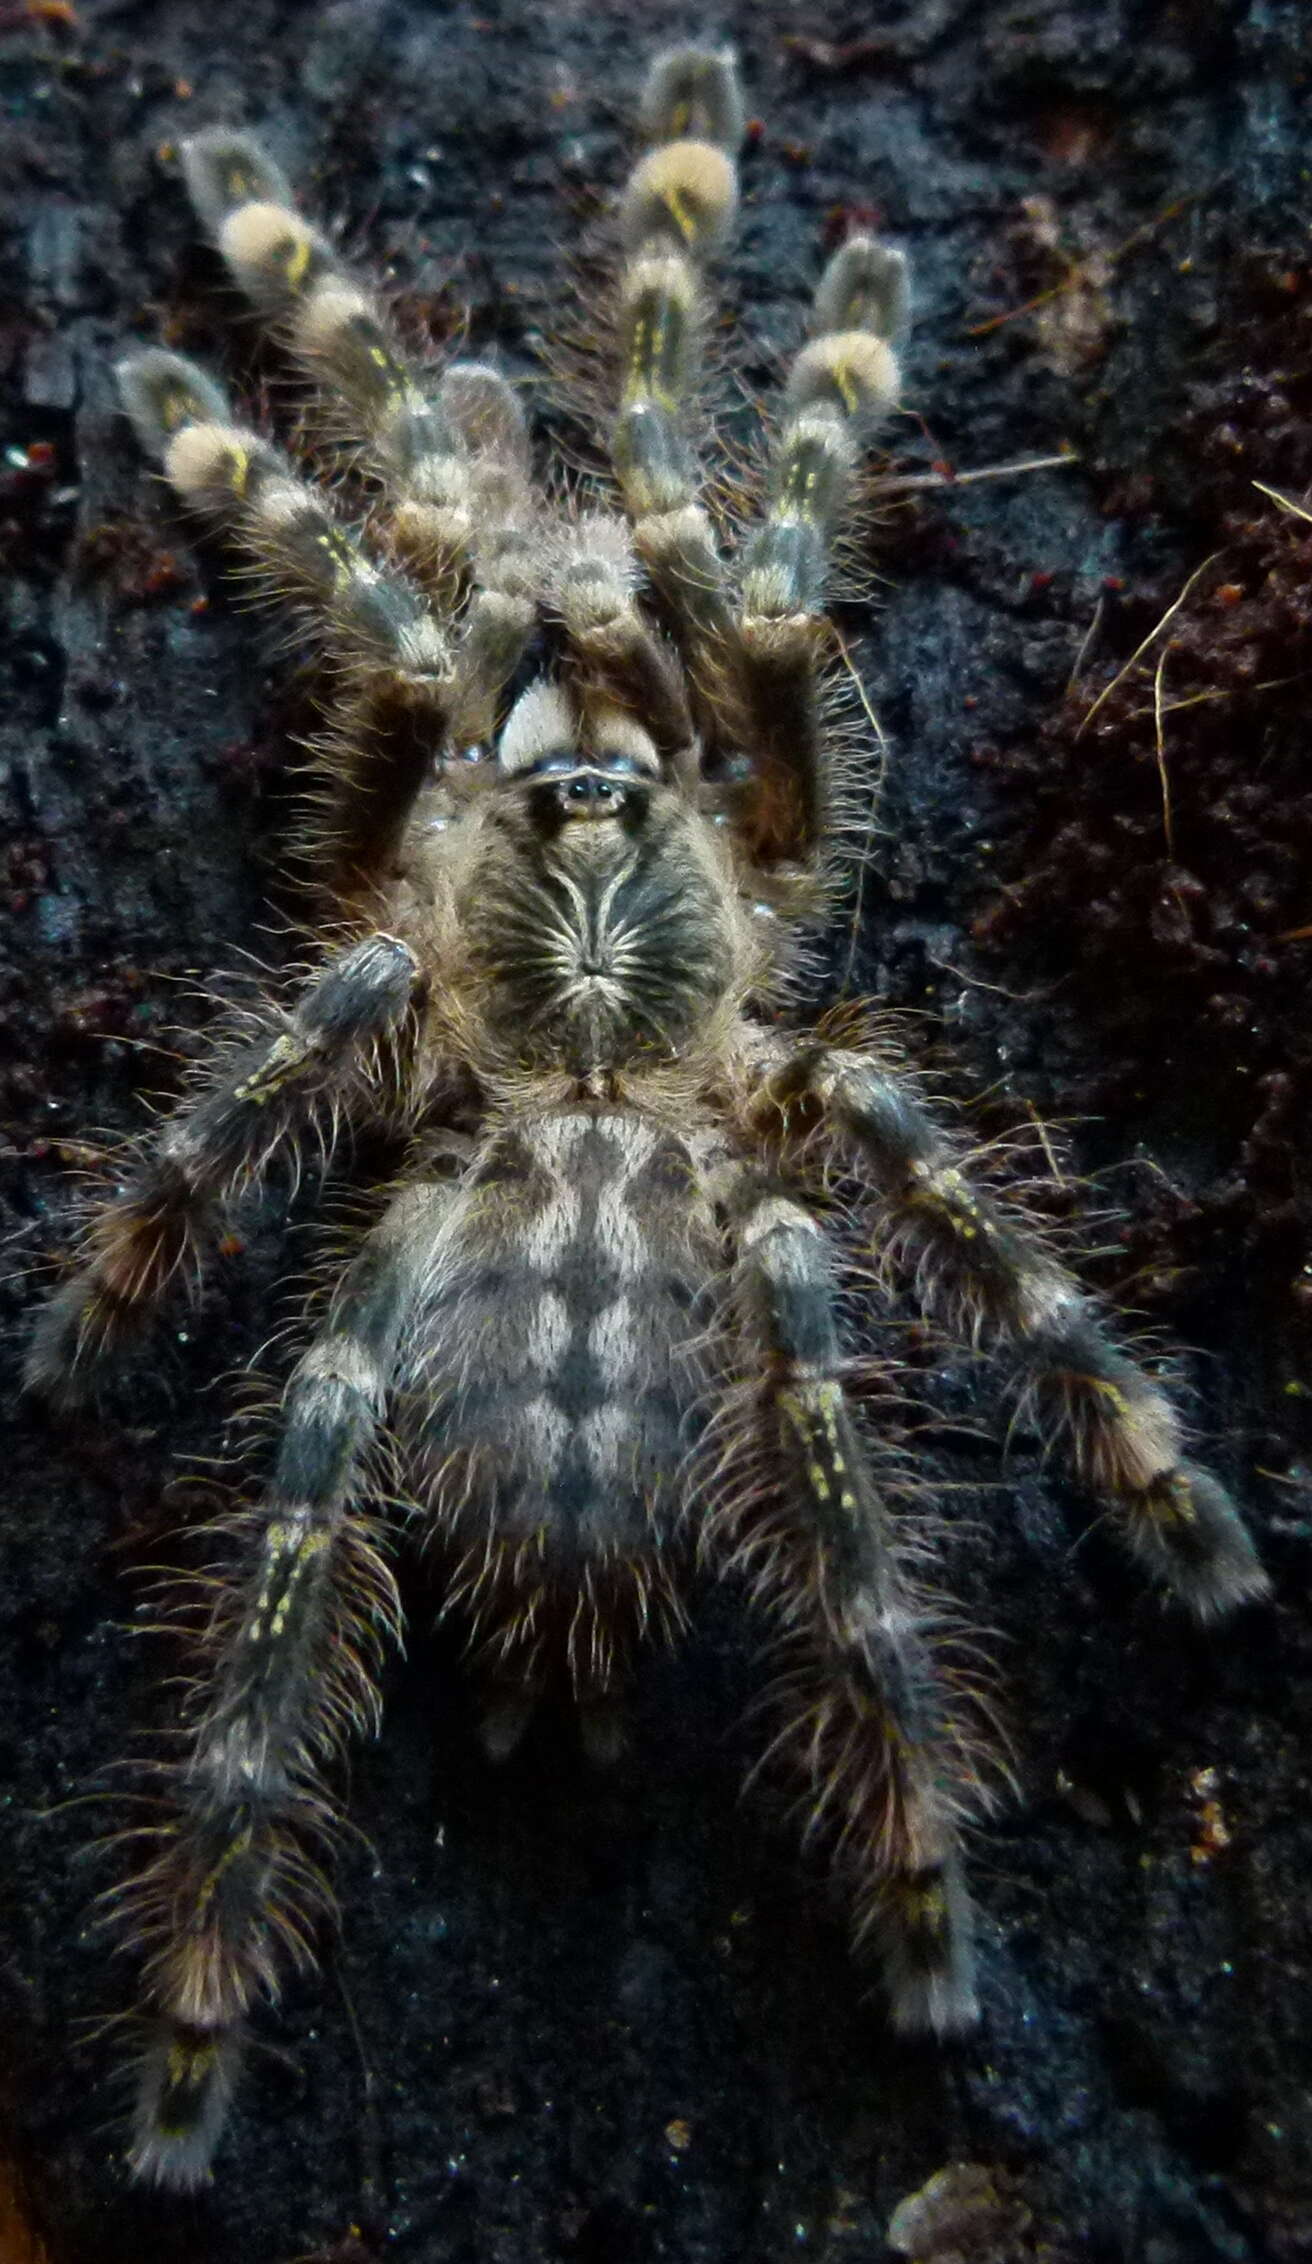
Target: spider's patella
575	798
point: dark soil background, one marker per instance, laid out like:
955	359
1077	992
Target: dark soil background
598	2019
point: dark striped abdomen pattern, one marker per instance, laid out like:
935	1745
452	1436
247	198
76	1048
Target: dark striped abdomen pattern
560	1368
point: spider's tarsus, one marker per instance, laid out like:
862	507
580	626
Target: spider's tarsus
1188	1535
186	2078
922	1927
78	1326
162	393
866	286
224	170
693	93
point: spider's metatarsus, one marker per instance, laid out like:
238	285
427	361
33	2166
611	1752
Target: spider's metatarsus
574	797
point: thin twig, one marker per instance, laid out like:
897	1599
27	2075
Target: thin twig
1045	1143
1086	641
1079	269
910	483
881	743
1167	827
1137	655
1213	692
1286	502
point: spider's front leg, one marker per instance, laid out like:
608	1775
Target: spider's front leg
266	1096
754	665
993	1279
678	208
886	1766
451	449
393	662
232	1890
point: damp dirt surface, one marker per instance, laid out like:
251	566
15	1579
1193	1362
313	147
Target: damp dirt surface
594	2017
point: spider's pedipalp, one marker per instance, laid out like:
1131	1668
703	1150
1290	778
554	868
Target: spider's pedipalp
488	414
838	387
619	661
268	1094
863	1716
992	1276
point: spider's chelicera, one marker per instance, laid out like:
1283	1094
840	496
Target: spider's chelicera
576	796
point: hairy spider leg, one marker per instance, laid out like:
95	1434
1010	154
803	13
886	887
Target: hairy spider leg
754	665
266	1096
235	1882
449	449
334	328
250	494
838	388
864	1716
992	1278
394	662
677	210
618	665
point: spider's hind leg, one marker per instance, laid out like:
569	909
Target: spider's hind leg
865	1718
995	1281
234	1887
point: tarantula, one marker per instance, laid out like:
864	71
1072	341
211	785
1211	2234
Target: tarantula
575	800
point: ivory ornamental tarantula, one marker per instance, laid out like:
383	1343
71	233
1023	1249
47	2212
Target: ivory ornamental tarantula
576	798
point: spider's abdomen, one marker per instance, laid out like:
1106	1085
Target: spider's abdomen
551	1380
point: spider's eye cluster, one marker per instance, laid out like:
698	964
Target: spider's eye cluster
566	785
